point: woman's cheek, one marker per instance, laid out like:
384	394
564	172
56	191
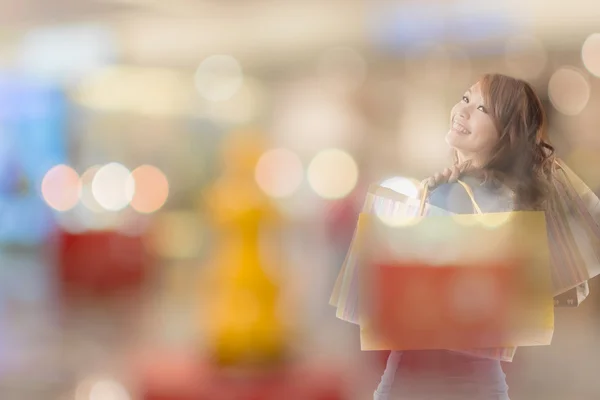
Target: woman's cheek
453	111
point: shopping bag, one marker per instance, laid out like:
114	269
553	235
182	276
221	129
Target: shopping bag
573	218
386	204
466	282
392	206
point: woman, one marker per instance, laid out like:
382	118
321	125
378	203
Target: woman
497	133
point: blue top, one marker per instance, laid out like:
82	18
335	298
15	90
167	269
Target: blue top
443	374
454	198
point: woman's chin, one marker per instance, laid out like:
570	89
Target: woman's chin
452	138
456	139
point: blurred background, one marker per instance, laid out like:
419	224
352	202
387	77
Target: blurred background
116	117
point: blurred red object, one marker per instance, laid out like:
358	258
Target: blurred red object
341	216
415	306
101	262
181	378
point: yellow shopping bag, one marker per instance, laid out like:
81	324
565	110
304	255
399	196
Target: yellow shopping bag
477	283
385	203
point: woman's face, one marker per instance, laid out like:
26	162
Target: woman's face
472	132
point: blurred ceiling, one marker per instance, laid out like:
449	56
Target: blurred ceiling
258	32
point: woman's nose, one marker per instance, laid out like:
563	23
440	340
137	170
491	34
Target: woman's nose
462	113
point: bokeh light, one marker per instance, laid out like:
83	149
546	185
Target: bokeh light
279	172
526	57
406	186
569	90
101	389
112	187
87	197
590	54
218	78
61	188
387	213
148	189
332	174
108	390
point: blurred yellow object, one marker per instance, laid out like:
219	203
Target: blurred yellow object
241	152
176	235
244	323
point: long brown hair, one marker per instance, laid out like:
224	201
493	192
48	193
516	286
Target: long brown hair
523	157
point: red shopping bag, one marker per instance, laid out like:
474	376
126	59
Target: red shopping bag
416	306
461	282
100	263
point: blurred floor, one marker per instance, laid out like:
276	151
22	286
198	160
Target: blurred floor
43	355
566	370
569	368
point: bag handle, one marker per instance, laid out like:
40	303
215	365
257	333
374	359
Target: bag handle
424	196
467	188
471	196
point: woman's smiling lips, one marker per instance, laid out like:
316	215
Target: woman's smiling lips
459	128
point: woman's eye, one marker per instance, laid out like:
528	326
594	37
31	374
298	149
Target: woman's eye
482	108
465	99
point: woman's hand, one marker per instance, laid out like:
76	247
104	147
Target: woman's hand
448	175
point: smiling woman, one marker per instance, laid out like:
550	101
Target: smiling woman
472	131
497	133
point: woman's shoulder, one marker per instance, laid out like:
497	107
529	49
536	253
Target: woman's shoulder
455	198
